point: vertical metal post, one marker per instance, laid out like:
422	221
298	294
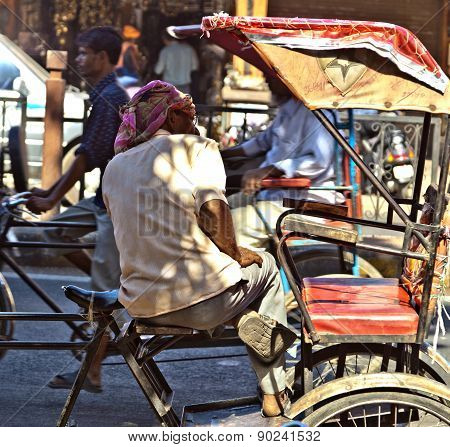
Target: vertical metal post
53	121
355	187
420	166
435	148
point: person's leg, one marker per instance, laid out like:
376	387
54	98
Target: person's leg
105	269
83	211
105	275
80	260
261	290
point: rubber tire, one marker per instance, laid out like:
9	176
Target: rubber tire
17	156
329	261
6	305
333	408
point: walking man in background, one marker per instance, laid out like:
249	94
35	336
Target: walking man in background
98	53
176	61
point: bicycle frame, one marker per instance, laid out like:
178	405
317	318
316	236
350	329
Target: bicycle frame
37	289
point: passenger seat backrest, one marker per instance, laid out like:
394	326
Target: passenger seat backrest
414	269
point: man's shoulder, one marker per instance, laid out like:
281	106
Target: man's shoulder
192	140
115	94
112	164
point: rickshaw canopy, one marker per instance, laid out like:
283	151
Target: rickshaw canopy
337	64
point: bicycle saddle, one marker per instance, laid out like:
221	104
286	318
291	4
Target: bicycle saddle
104	302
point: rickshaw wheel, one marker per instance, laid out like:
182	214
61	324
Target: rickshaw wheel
366	359
381	409
6	305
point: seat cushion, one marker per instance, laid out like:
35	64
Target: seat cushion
360	306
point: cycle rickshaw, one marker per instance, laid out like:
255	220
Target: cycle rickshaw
330	64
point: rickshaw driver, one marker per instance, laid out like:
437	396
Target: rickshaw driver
295	145
181	265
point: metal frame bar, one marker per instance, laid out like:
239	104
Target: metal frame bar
34	286
82	373
420	167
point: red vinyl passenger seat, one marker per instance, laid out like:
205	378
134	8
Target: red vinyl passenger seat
360	306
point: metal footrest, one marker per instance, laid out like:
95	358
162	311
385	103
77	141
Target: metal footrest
242	412
144	328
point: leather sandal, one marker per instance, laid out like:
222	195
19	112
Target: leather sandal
66	381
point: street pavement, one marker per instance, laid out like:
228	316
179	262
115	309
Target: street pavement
25	400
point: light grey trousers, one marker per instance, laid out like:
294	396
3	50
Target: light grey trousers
259	290
105	269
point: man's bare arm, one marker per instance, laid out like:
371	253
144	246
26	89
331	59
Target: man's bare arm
39	203
216	222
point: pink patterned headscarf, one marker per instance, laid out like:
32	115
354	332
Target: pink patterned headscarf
147	112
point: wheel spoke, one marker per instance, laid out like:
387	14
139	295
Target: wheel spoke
368	366
334	371
320	375
352	418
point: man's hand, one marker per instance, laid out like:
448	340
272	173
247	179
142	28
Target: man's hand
251	180
38	192
40	205
249	257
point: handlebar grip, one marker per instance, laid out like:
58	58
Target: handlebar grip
20	195
16	199
15	202
295	183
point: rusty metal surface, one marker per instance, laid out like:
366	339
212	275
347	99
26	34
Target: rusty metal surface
299	224
144	328
328	209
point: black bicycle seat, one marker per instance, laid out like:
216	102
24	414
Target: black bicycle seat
103	302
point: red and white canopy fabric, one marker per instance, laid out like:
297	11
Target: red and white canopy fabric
392	42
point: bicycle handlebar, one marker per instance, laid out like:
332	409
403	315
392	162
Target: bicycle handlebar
16	200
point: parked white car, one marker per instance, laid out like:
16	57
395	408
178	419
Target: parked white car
31	83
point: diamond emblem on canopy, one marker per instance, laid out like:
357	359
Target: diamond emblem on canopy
343	71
